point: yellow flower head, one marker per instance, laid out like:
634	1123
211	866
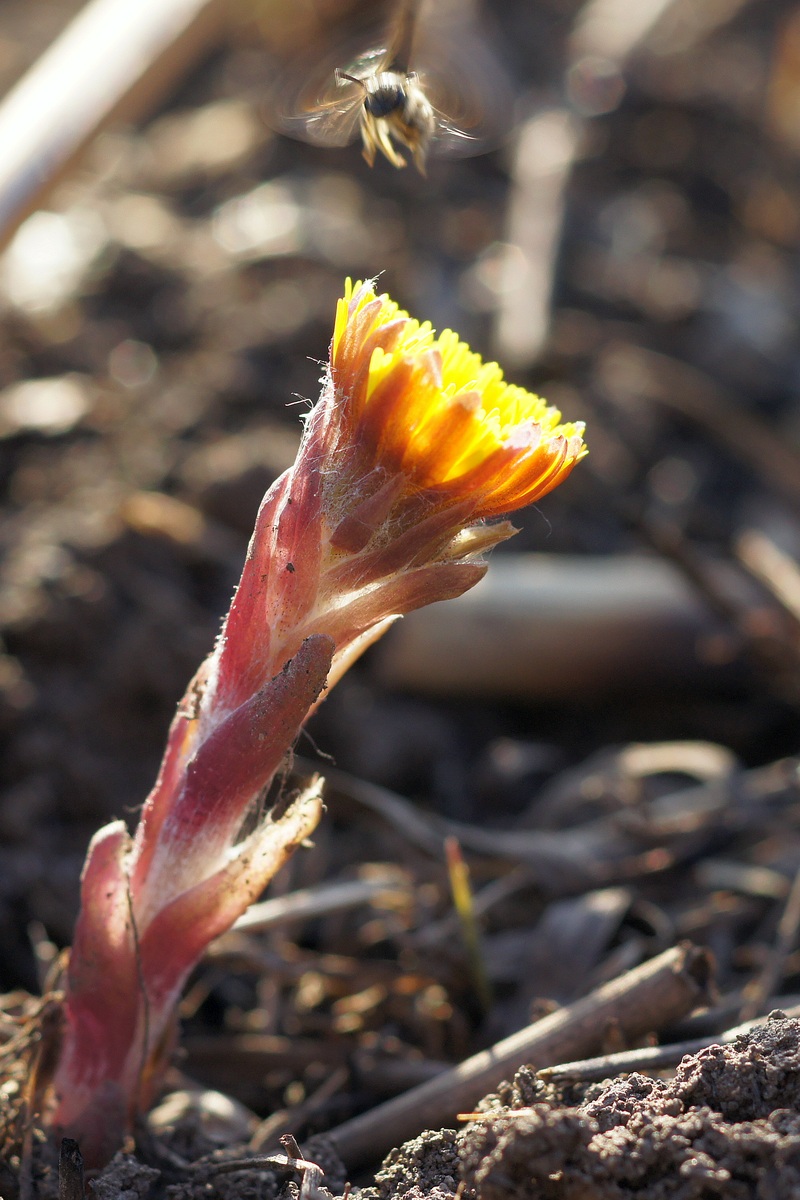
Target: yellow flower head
430	409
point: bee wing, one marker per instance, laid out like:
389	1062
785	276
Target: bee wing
449	141
328	127
308	99
470	93
316	107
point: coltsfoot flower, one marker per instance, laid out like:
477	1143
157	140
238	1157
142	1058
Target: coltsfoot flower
413	445
413	449
427	408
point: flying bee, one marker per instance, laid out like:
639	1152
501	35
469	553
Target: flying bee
394	109
453	105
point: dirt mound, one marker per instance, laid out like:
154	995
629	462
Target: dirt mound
727	1124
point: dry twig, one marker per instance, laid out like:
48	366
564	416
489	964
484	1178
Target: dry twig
114	60
644	999
645	1058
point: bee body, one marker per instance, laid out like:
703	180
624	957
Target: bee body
396	109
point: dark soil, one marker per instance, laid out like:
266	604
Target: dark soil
727	1124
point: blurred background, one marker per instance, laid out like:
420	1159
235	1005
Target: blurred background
627	245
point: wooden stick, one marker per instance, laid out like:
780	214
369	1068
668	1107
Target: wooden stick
115	60
642	1000
555	627
319	901
70	1171
649	1058
779	573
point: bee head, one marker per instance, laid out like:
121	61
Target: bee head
387	97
